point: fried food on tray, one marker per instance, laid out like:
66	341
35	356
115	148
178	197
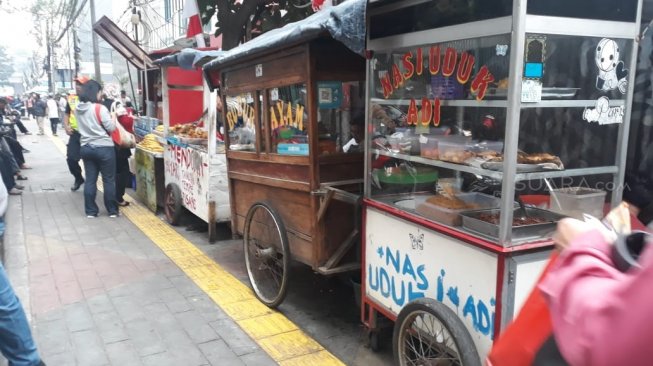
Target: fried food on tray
451	203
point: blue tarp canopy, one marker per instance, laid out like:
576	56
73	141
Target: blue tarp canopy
345	23
188	58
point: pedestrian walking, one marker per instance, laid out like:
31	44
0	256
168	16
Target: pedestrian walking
97	149
62	102
16	342
40	107
73	155
53	114
123	176
29	103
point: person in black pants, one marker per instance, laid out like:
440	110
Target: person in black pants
73	149
123	174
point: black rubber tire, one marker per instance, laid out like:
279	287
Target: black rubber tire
462	340
373	340
252	255
172	204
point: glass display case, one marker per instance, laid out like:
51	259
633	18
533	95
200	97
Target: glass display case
446	111
487	122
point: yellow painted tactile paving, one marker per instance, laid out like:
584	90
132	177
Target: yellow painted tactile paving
267	325
289	345
323	358
277	335
246	309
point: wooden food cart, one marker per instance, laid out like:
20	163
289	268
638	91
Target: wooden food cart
194	159
291	97
543	90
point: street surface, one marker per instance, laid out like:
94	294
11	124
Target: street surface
128	291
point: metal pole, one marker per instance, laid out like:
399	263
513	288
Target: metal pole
96	49
70	63
49	57
131	83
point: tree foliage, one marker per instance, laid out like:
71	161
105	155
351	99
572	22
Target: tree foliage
242	20
6	65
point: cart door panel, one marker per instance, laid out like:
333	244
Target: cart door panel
293	206
404	261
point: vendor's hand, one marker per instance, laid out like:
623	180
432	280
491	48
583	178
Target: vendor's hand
568	230
69	131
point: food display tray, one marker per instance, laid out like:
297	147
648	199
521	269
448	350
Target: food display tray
473	223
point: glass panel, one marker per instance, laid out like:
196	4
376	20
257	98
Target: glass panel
622	10
288	120
460	70
437	115
579	68
435	14
241	122
340	116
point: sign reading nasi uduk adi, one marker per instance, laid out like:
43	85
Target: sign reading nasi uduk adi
404	262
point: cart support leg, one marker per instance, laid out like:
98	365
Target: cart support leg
212	223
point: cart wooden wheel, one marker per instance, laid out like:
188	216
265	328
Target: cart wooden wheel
427	332
173	207
267	254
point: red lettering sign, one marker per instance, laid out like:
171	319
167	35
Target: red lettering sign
481	81
427	111
434	60
387	85
397	78
465	68
411	117
408	66
420	62
450	58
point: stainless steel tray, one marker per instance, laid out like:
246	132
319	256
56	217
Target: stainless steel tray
472	223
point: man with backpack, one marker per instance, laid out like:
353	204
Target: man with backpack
40	108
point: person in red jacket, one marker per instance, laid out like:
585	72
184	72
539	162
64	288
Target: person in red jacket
123	175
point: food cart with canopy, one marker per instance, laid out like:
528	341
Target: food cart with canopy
194	156
294	101
485	125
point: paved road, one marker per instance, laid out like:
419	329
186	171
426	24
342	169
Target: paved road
101	292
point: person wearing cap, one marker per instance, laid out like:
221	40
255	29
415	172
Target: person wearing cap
70	125
40	108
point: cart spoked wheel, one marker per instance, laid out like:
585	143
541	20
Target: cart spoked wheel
267	255
173	207
427	332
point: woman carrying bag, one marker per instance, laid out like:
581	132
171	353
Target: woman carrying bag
97	149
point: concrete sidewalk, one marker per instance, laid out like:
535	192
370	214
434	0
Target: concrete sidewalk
99	291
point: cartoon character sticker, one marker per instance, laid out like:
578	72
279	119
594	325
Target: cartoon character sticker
612	72
603	113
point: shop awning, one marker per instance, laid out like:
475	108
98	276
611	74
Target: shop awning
344	23
121	42
189	58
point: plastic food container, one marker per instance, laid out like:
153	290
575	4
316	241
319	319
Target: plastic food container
430	144
452	217
486	146
575	201
455	149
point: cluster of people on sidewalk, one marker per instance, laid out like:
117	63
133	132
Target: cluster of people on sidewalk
89	123
12	158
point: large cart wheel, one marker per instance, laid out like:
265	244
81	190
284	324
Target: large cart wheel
267	255
173	207
427	332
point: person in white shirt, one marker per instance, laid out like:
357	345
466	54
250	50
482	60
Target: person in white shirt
63	102
124	98
53	114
